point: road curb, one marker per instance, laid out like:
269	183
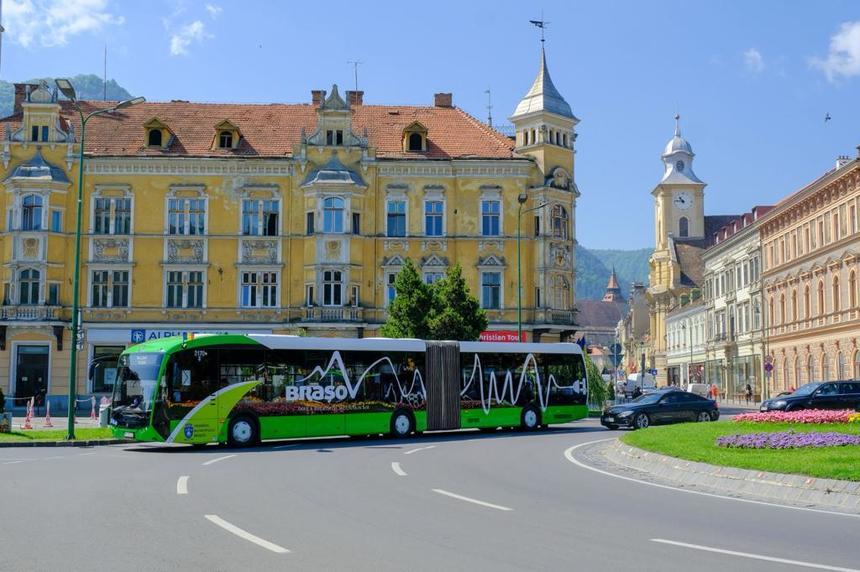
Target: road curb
778	487
87	443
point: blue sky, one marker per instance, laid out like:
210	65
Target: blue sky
751	80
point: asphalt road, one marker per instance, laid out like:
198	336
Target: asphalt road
456	501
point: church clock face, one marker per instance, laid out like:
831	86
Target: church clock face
682	200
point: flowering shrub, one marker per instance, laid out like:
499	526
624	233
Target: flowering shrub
787	440
817	416
854	418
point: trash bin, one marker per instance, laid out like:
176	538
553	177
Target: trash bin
104	413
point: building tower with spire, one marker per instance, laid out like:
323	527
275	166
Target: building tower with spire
544	124
613	290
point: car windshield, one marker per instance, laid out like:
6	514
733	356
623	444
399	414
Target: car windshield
806	389
134	390
648	399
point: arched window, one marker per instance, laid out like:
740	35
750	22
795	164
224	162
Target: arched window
825	367
840	365
806	309
820	298
561	293
28	287
810	368
770	313
797	373
31	213
835	300
783	318
416	142
333	214
794	316
852	290
153	138
225	139
559	222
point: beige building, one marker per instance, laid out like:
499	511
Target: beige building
810	245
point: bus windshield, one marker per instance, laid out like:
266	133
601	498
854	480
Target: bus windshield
134	390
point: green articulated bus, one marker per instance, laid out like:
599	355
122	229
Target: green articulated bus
240	389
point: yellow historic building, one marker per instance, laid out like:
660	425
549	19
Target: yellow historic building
283	218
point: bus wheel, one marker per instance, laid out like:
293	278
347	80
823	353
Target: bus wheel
242	432
530	418
401	424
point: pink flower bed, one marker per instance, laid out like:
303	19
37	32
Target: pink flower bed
817	416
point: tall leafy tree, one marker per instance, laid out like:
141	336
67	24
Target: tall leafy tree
457	314
412	305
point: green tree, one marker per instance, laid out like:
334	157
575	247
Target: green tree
409	312
597	391
457	314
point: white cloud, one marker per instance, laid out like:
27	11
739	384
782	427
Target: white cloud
52	22
214	10
193	32
843	59
754	61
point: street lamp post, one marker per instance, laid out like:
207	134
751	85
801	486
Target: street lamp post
68	90
521	199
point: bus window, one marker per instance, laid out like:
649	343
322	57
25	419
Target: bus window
567	372
191	377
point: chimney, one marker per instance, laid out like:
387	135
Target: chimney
843	160
22	91
317	97
355	98
443	100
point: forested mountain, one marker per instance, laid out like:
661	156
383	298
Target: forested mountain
87	86
594	266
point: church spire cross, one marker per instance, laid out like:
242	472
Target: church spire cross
677	125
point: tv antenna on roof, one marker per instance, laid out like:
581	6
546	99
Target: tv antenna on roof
355	64
489	106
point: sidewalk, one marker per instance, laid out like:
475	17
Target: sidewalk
59	423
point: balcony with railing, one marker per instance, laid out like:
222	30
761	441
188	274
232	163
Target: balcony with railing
30	313
334	314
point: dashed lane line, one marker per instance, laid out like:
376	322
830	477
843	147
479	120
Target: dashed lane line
419	449
395	466
244	534
182	485
471	500
213	461
568	453
752	556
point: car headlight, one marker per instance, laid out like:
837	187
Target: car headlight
779	403
625	414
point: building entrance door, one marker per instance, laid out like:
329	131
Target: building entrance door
31	370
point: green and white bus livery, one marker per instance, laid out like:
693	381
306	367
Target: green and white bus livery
240	389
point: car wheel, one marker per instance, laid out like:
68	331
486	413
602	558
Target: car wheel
401	424
243	431
703	416
641	421
530	418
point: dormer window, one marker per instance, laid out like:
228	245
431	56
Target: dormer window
226	136
225	140
334	137
415	137
153	138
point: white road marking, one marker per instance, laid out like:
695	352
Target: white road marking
419	449
285	446
467	499
213	461
755	556
569	455
86	454
182	485
395	466
12	462
218	521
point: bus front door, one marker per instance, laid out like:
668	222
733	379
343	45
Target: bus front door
443	385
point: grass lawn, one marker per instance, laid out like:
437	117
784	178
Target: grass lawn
82	434
697	442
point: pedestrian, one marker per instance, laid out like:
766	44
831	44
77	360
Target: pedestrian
637	392
713	391
748	392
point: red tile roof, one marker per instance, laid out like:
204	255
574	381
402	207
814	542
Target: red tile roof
272	130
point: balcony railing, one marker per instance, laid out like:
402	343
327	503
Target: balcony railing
564	317
29	313
333	314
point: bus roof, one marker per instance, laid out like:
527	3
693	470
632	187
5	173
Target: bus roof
277	342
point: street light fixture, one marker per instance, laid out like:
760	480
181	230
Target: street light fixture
521	199
68	90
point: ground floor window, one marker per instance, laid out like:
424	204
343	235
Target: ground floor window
31	371
102	370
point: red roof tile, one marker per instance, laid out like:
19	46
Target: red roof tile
272	130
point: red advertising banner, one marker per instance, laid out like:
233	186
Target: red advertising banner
500	336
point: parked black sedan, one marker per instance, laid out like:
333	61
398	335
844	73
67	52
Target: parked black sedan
817	395
663	406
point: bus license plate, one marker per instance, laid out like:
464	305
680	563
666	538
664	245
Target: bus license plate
129	435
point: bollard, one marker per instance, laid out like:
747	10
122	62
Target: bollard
29	414
47	422
93	408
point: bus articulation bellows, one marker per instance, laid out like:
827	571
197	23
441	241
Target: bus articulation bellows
240	389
